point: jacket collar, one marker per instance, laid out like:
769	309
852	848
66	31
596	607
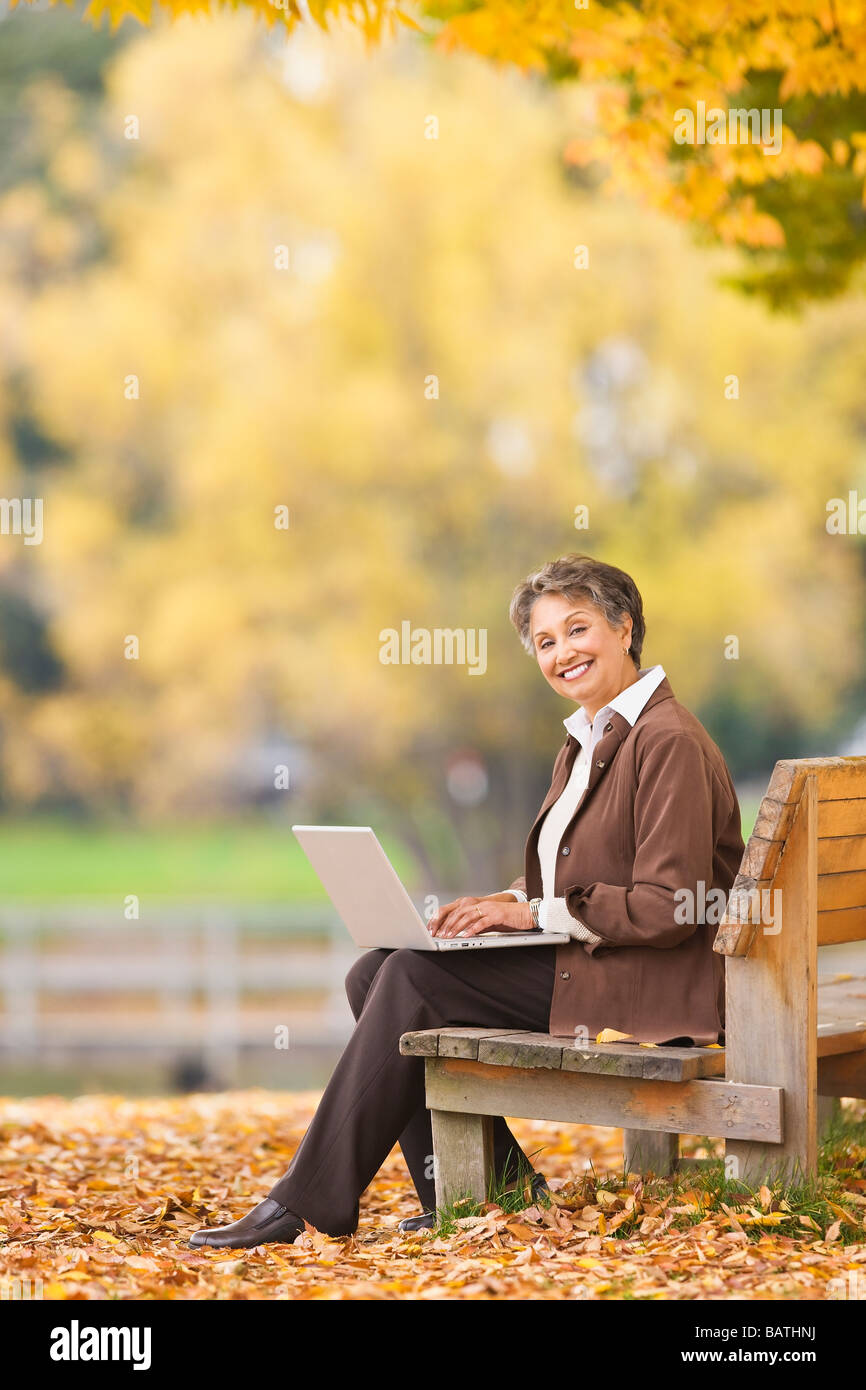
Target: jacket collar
615	730
629	702
620	721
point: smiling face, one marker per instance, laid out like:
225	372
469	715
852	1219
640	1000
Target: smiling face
581	656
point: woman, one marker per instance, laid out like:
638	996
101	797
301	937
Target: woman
640	824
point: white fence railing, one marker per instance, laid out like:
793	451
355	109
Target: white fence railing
201	979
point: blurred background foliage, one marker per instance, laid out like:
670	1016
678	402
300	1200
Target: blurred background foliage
304	388
798	216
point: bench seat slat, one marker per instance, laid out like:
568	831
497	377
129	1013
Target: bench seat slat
522	1050
527	1050
651	1063
447	1042
835	1038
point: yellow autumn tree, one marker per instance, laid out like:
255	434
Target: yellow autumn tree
745	118
282	293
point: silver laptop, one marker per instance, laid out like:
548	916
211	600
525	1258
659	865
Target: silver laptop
364	887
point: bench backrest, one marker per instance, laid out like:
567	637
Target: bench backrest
841	852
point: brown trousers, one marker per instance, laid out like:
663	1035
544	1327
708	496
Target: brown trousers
375	1097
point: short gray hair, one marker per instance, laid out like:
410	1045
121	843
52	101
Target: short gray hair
580	576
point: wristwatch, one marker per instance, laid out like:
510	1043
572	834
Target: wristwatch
534	905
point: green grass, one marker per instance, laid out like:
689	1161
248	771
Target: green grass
749	814
252	860
248	860
511	1191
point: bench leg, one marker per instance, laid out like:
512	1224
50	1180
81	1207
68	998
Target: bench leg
463	1155
650	1150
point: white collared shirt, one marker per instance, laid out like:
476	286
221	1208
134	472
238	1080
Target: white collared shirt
553	913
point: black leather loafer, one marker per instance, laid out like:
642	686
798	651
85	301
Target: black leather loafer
266	1222
427	1220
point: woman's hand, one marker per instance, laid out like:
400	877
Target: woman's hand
472	916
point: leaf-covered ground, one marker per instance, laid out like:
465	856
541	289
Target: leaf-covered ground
98	1196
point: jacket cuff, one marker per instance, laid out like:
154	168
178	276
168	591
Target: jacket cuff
553	915
592	941
518	893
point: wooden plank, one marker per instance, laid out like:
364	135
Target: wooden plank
845	924
771	1018
682	1063
446	1042
744	897
733	938
838	778
838	893
654	1063
711	1107
464	1042
522	1050
841	890
834	1040
841	849
463	1155
835	818
760	857
424	1043
843	1075
739	925
650	1151
842	817
773	820
839	854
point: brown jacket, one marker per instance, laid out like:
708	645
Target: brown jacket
659	815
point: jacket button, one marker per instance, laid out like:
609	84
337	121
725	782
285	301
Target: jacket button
565	849
607	728
565	974
598	764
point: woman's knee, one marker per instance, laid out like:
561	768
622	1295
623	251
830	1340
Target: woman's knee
405	964
361	975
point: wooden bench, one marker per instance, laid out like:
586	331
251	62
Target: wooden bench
787	1043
